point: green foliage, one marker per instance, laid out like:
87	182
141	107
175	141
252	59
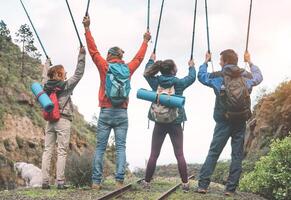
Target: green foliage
25	38
272	174
221	172
4	31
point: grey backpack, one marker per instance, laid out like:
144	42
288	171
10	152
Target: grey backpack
160	113
237	97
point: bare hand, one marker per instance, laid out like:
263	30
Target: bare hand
86	22
153	57
247	57
207	57
191	63
82	50
147	36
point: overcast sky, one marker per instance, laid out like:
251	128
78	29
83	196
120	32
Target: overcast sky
122	23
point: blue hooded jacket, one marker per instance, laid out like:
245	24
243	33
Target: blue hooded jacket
216	83
167	81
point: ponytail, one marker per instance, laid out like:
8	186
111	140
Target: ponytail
154	69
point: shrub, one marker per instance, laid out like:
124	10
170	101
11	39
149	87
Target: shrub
79	169
272	174
221	172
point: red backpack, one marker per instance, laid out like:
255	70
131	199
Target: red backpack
54	115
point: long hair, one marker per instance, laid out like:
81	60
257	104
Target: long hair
166	67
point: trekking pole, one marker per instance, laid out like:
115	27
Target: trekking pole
81	45
148	17
87	9
35	31
207	29
158	29
249	25
193	34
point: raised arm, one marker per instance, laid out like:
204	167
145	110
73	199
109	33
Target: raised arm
257	76
138	58
92	48
73	81
203	75
150	73
46	66
190	78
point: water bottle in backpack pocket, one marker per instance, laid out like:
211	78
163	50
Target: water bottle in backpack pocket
160	113
117	84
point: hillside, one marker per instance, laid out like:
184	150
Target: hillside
271	119
21	123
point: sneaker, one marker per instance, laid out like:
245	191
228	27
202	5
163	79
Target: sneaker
119	184
202	191
61	186
185	187
45	186
96	186
229	193
146	185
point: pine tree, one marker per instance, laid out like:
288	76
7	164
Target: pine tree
24	37
4	31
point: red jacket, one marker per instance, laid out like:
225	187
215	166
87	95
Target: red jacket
102	66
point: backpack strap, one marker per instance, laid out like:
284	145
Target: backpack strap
66	103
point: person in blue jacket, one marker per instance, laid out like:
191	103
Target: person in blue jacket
167	79
225	127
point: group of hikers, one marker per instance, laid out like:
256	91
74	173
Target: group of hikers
228	84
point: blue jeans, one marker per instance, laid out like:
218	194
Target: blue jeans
222	132
116	119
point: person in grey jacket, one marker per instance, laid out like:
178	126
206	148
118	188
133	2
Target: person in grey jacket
59	131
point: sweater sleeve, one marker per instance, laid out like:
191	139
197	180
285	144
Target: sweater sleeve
73	81
44	77
99	61
138	58
152	80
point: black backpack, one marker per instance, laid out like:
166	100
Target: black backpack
235	94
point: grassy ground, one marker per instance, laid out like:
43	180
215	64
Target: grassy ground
158	187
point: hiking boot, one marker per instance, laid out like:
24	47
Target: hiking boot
96	186
202	191
185	187
146	185
45	186
61	186
229	193
119	184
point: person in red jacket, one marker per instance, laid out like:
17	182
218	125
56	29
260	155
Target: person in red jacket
111	117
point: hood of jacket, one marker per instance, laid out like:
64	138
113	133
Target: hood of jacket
52	84
167	81
232	70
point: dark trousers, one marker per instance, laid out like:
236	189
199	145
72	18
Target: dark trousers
176	135
222	132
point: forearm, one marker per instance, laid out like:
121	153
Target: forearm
79	72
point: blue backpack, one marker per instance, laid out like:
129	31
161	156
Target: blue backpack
117	85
